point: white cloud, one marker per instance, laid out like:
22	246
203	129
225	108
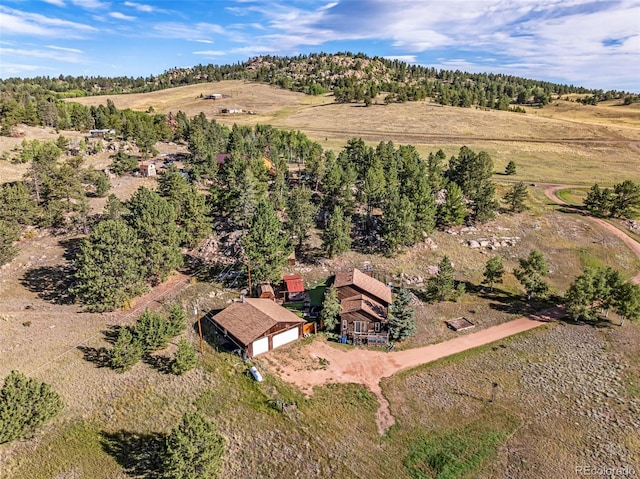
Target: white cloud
67	57
20	68
203	41
57	3
64	49
210	53
140	7
90	4
121	16
200	32
19	23
402	58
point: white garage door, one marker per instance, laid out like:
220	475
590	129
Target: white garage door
260	346
284	338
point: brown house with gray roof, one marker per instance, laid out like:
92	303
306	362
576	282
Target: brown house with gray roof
258	325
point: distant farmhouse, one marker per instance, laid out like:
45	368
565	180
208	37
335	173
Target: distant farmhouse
364	307
214	96
101	133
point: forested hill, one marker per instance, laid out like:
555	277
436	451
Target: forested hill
351	77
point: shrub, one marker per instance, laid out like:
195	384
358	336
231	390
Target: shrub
126	352
25	405
185	358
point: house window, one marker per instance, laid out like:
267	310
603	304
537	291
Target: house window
360	327
344	324
377	326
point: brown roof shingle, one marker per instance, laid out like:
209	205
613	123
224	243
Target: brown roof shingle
249	320
361	302
365	283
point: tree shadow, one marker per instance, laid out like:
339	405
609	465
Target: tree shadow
140	455
51	283
71	247
162	364
101	357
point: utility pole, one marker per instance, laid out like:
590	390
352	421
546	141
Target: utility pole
195	312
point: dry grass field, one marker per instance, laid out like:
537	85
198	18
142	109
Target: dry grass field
568	394
565	142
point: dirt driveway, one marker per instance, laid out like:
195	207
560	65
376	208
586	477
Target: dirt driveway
321	363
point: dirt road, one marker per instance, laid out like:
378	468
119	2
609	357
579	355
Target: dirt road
322	363
551	192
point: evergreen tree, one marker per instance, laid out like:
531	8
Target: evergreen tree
25	405
110	267
516	197
493	271
402	321
425	208
581	296
154	221
9	234
399	224
17	205
373	187
627	302
599	201
453	211
626	200
151	331
300	213
194	450
442	287
126	352
185	358
330	309
177	320
265	244
531	272
193	218
336	238
114	209
434	170
510	169
172	186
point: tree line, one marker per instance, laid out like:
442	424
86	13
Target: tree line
351	78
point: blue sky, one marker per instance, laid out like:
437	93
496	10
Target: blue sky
595	44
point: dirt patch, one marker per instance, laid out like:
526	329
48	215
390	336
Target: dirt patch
369	367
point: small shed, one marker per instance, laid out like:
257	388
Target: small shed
148	169
293	288
265	291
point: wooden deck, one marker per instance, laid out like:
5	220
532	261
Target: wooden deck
459	324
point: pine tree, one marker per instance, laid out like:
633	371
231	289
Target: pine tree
510	169
110	267
626	200
193	218
336	239
194	450
516	197
9	234
25	405
330	309
399	224
453	211
154	220
185	358
151	331
598	201
442	287
300	213
265	244
177	320
402	321
493	271
126	352
531	272
627	302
